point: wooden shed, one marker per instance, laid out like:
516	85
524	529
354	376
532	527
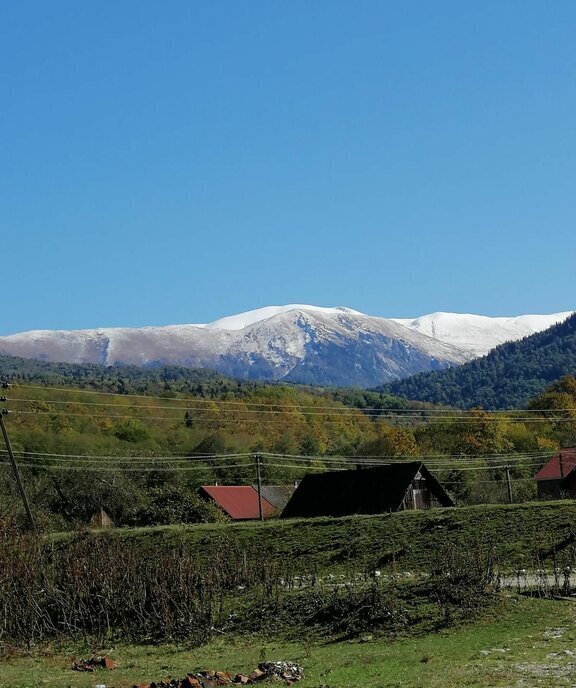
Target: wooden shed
101	520
375	490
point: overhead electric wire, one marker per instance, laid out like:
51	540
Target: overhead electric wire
119	464
168	418
414	458
222	421
266	404
132	464
439	463
343	411
289	410
317	410
289	407
135	469
486	482
192	457
430	458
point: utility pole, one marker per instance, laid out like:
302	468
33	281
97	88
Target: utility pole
258	459
509	484
15	471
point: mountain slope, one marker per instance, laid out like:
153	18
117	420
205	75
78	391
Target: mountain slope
336	346
507	377
298	343
478	334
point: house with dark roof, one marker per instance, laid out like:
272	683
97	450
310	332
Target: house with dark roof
557	479
374	490
240	502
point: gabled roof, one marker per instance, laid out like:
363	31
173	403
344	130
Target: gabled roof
277	495
367	491
559	466
238	501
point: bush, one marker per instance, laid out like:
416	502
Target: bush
174	504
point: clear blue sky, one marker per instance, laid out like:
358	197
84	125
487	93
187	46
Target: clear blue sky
172	162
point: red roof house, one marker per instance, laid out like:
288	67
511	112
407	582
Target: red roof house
557	479
240	502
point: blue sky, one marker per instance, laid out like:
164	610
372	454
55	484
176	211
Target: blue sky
172	162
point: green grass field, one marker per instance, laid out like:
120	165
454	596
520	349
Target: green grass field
513	645
525	643
367	542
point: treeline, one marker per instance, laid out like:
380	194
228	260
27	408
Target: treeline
124	379
178	381
508	377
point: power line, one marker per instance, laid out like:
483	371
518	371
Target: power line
189	456
135	469
16	472
178	419
415	458
317	410
288	410
436	461
222	421
290	407
439	460
143	465
323	468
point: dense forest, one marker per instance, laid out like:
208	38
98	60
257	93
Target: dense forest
123	379
177	381
506	378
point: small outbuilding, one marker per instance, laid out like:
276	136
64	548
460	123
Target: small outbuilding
557	479
374	490
239	502
101	520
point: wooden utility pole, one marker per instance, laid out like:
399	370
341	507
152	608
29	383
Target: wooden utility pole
509	484
258	459
15	470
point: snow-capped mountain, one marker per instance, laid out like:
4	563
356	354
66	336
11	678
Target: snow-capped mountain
478	334
299	343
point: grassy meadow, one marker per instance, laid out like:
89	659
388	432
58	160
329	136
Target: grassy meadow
406	540
523	643
470	637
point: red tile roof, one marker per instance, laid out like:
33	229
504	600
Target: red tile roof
554	470
239	502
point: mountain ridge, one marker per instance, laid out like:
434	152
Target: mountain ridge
295	342
507	377
478	334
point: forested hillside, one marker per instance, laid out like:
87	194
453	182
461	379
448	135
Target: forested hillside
508	377
177	381
123	379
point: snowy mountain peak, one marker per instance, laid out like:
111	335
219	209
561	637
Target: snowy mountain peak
478	334
243	320
296	342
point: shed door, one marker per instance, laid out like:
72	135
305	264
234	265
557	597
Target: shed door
420	494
